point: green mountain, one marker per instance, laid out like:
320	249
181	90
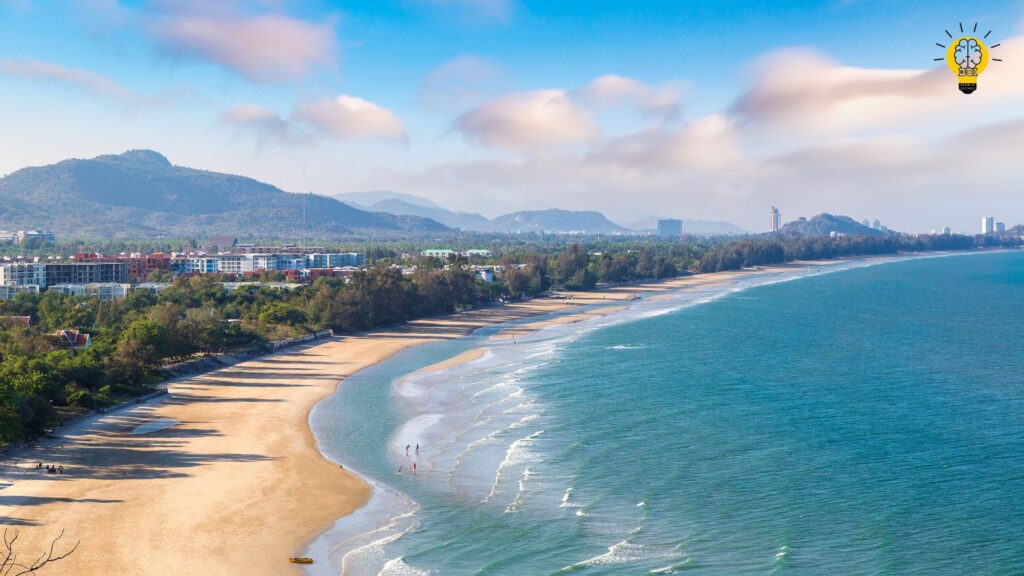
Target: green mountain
140	193
825	224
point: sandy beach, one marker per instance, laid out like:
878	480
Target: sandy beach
224	475
223	472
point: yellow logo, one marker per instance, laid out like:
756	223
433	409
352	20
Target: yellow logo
967	56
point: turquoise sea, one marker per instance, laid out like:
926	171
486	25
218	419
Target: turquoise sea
856	419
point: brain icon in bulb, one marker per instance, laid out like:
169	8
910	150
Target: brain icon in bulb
968	53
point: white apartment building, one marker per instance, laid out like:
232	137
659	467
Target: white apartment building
105	292
9	292
23	274
341	260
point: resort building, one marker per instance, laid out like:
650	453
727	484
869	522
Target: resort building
437	253
21	236
86	273
342	260
104	291
254	249
255	263
9	292
139	265
22	274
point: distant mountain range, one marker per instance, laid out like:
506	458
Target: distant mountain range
140	193
409	205
825	224
553	221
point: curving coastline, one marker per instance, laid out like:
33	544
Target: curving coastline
238	480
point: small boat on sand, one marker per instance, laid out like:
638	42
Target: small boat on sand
300	560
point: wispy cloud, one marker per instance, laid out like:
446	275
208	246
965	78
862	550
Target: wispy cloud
461	83
77	78
662	102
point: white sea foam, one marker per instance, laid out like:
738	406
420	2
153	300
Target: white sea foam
567	501
518	453
618	553
518	500
398	567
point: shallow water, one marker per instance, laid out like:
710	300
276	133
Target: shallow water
868	421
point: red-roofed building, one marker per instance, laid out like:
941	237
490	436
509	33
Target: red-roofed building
26	320
73	339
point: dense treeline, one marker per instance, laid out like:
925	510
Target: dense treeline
763	251
41	379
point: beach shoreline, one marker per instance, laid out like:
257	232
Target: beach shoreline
239	481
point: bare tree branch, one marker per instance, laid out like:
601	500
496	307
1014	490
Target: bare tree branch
9	557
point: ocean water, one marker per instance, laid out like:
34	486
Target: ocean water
868	420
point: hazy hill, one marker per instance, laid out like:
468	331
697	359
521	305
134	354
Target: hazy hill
463	220
522	221
555	221
367	199
140	193
701	227
825	224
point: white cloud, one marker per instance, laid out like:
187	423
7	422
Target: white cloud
341	118
808	134
263	47
350	117
528	120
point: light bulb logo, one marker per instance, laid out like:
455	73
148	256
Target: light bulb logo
967	57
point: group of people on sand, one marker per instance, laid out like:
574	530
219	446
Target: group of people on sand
50	468
413	468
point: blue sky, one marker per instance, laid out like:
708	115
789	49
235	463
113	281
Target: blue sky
695	109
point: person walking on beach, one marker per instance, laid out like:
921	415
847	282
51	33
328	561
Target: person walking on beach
417	449
406	449
399	468
413	467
